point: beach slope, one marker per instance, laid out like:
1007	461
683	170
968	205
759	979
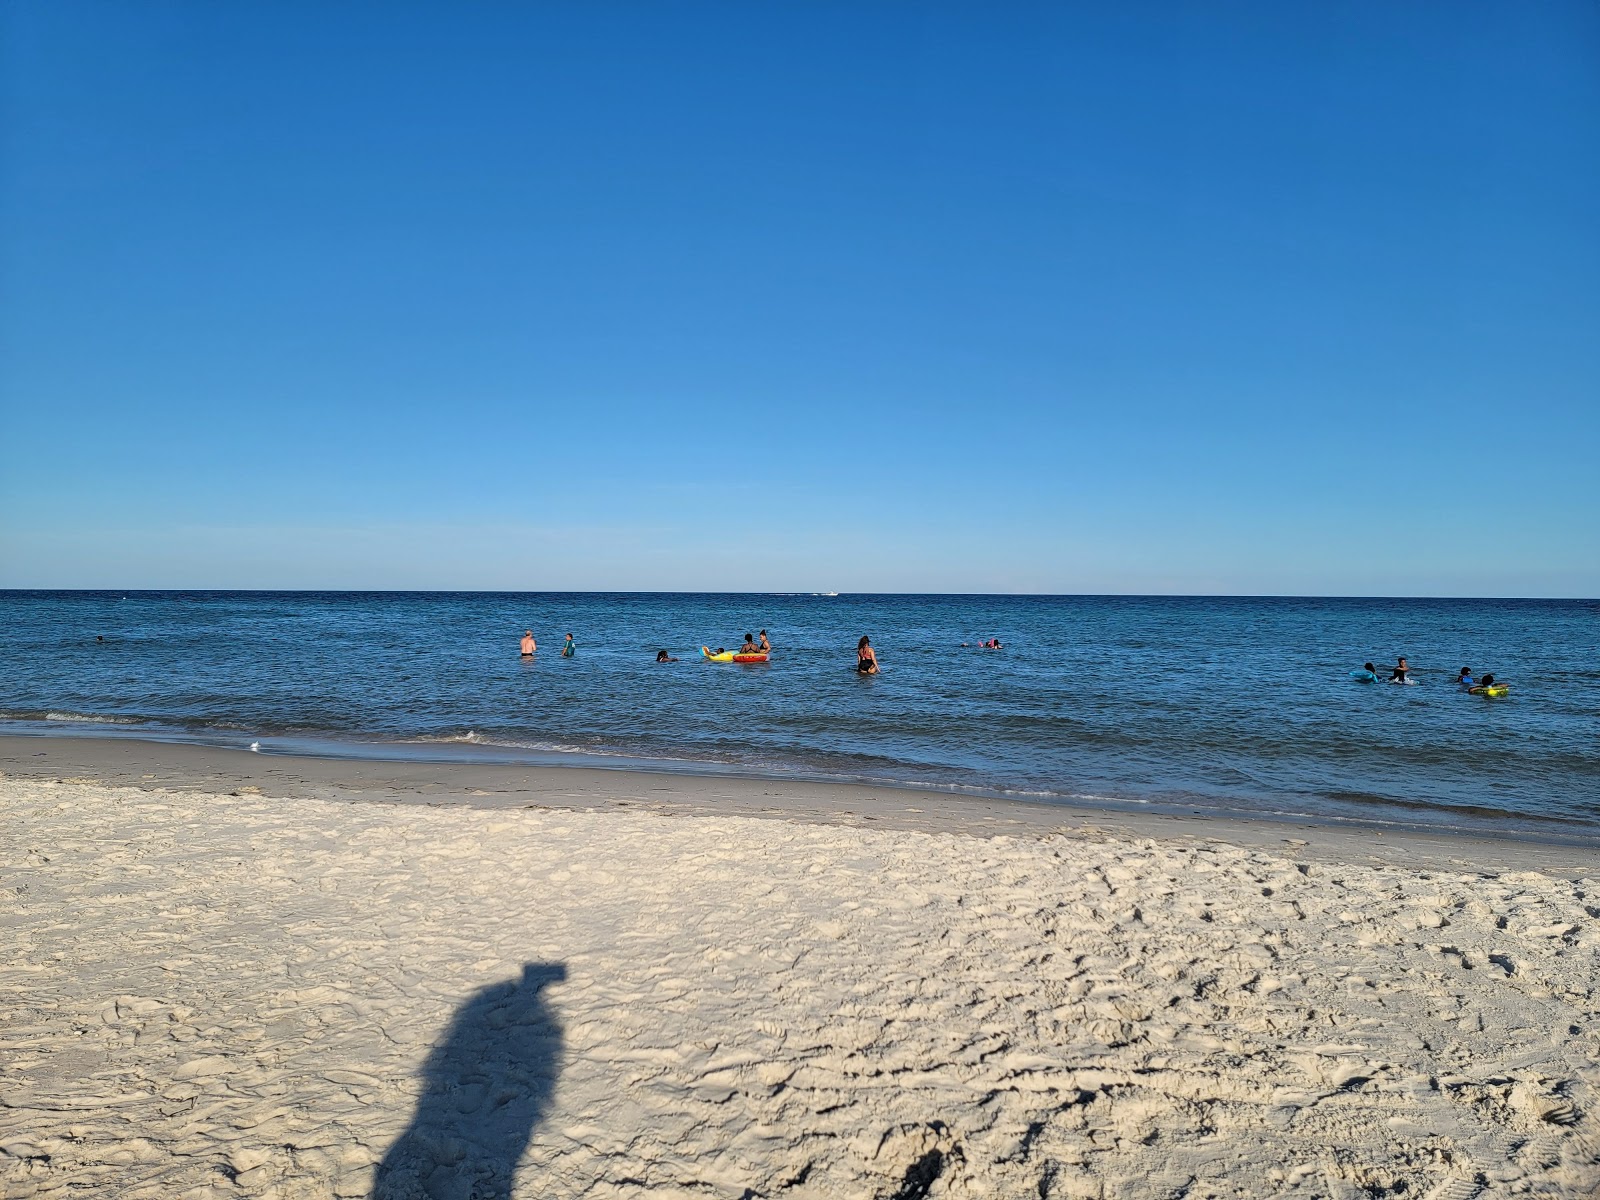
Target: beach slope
206	994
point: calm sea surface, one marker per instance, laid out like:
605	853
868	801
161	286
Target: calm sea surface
1212	704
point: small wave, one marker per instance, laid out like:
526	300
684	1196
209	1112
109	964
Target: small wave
473	738
1092	797
91	718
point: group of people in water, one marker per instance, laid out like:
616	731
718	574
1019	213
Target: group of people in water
867	661
530	647
1401	673
750	647
754	644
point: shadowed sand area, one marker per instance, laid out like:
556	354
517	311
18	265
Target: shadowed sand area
230	975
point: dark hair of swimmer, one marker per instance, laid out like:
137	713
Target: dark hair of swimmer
661	656
1370	667
748	638
1487	680
865	641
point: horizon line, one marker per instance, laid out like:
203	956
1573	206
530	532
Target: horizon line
347	591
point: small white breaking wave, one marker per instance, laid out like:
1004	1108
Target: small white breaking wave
473	738
91	719
1094	797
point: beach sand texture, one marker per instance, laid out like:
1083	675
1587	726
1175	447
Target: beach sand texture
207	995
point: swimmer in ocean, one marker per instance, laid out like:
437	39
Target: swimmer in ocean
528	644
866	657
663	656
570	649
1465	679
1401	672
766	646
749	646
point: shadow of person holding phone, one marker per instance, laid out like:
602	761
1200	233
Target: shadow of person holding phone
485	1088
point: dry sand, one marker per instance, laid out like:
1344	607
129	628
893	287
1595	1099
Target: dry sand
561	992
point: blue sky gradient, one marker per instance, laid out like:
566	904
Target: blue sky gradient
1244	298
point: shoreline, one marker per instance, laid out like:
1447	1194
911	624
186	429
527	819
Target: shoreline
159	765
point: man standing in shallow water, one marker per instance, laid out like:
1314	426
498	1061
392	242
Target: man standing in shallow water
528	644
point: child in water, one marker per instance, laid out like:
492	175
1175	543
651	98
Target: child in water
1465	679
571	649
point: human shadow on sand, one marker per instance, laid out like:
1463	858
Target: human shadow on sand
485	1088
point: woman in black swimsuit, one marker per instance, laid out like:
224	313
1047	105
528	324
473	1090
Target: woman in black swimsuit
866	657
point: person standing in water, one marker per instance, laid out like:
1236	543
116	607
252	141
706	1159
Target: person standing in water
570	649
766	646
1401	672
528	644
866	657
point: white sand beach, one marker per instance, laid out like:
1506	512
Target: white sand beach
227	982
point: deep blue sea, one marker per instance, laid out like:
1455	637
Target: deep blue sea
1239	705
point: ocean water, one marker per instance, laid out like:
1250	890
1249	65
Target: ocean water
1236	705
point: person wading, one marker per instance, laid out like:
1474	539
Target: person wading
866	657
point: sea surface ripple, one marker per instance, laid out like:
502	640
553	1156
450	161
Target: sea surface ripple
1211	704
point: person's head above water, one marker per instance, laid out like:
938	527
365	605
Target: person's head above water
865	641
1370	667
748	638
661	656
1486	681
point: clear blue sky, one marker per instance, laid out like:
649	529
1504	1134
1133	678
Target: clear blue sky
1219	297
